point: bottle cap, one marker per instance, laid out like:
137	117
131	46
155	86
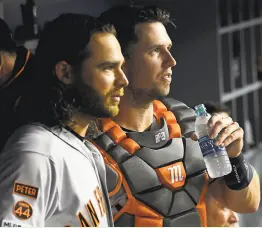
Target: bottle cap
200	109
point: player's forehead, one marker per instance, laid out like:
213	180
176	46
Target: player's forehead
104	47
152	33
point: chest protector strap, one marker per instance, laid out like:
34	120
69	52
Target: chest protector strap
185	116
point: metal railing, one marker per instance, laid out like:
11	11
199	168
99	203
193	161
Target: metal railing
239	43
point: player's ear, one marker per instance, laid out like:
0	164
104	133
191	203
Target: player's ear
64	72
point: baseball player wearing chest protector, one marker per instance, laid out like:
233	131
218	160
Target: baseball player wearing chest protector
49	174
156	175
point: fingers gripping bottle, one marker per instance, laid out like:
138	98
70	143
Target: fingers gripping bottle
215	157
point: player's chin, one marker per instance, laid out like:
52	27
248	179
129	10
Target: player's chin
231	224
235	224
164	91
112	110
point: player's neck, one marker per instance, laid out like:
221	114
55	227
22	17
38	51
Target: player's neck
134	116
80	123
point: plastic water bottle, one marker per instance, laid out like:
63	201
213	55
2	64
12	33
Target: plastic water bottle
215	157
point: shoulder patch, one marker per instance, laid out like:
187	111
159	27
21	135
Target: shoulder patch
9	223
23	210
25	190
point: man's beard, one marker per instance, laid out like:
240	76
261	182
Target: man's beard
90	102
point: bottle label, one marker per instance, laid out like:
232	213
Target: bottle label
209	149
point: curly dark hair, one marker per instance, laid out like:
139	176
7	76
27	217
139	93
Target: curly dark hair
63	39
125	18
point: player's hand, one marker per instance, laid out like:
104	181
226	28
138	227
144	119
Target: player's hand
229	134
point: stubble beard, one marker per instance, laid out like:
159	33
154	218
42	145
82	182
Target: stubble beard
144	96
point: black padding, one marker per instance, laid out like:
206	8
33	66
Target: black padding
181	110
157	158
171	103
125	220
181	203
119	154
190	219
151	139
184	114
194	161
104	142
187	128
112	178
159	200
195	185
139	175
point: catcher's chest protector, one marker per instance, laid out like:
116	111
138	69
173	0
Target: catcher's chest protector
155	178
